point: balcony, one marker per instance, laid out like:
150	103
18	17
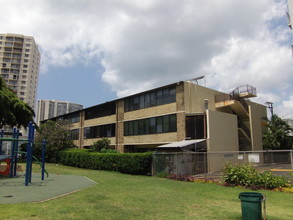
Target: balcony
236	101
245	91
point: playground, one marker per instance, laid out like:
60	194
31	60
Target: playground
12	190
17	186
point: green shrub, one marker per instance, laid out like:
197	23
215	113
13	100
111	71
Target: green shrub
130	163
247	176
103	143
108	150
271	181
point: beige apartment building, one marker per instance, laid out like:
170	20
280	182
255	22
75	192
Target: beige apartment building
184	114
20	63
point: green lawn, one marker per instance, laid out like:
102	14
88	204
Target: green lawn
121	196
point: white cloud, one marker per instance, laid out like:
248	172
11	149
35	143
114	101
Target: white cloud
147	43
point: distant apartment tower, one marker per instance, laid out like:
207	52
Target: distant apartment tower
53	108
20	64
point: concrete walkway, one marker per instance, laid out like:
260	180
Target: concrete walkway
12	190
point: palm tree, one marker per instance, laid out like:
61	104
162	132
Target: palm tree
278	137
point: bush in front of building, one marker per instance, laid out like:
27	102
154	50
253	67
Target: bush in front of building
247	176
102	146
130	163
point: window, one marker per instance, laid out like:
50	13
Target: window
155	98
72	118
22	93
25	60
147	99
27	50
100	131
155	125
141	101
24	66
27	45
74	134
159	125
106	109
26	55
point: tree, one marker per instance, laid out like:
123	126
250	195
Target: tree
57	135
100	144
277	137
13	111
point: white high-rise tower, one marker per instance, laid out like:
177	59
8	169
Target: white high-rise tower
19	64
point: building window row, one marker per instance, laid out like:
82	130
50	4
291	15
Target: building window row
74	134
100	131
72	118
155	98
154	125
98	111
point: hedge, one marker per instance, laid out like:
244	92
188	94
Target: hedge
130	163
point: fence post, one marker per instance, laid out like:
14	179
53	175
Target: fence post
153	164
205	165
291	154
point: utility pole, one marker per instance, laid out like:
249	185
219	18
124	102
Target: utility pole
270	107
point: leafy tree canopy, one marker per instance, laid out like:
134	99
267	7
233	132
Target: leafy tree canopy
278	136
57	135
13	111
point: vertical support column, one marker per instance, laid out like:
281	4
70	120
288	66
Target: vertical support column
32	150
12	160
43	158
28	151
1	136
15	152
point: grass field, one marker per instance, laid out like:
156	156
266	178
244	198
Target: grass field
121	196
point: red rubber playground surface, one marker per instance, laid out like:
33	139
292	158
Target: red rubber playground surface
12	190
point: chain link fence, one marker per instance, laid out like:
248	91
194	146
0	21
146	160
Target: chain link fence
191	163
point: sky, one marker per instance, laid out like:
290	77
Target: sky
96	51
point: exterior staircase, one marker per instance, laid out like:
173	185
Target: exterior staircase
236	101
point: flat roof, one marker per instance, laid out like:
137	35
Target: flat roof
181	144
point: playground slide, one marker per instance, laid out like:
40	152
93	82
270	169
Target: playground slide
6	159
36	159
5	170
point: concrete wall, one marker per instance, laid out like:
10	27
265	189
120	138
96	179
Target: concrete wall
257	113
222	136
194	96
